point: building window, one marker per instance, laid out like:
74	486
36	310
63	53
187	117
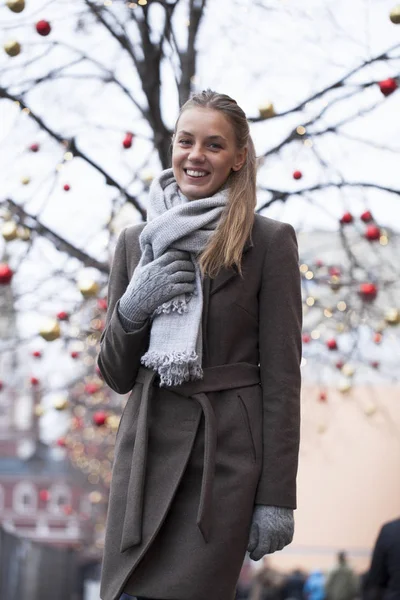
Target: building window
25	498
60	497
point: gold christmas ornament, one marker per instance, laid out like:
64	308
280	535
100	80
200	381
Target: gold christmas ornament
112	422
25	180
23	233
147	176
12	48
348	370
88	288
344	387
395	15
370	410
9	231
266	111
39	410
50	330
60	403
392	316
95	497
16	6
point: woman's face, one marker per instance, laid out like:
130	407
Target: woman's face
204	152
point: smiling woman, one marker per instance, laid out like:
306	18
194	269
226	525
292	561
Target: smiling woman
204	326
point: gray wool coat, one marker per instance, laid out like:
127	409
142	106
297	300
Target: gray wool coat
191	462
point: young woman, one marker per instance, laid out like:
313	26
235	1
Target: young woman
203	326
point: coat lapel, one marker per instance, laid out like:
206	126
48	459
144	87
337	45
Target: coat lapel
225	275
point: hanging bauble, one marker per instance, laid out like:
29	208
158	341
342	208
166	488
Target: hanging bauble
91	388
377	337
113	422
9	231
395	15
60	403
366	216
346	218
34	147
102	303
67	509
388	86
34	381
306	338
128	139
74	354
372	233
16	6
99	418
339	364
267	111
335	283
392	316
319	263
147	176
43	27
95	497
6	274
62	315
12	47
61	442
23	233
334	271
25	180
297	174
375	364
344	386
37	354
38	410
348	370
322	397
50	330
88	288
331	344
368	291
66	187
44	495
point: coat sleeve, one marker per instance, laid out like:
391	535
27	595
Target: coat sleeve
280	322
120	351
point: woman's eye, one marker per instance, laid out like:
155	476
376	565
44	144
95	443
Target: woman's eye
184	142
215	146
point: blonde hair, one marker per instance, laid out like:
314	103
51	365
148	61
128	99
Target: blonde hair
225	248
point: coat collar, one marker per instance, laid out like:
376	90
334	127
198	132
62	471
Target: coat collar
225	275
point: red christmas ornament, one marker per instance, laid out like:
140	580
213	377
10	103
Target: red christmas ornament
128	139
43	27
346	218
67	187
322	397
44	495
74	354
67	509
339	364
388	86
6	274
37	354
334	271
61	442
91	388
99	418
366	216
319	263
306	338
372	233
102	303
297	175
377	337
34	380
368	291
375	364
62	315
331	344
34	147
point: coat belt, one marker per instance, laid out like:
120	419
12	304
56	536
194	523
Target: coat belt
215	379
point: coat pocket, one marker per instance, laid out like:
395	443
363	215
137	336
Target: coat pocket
246	420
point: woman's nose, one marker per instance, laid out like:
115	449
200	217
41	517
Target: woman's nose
196	153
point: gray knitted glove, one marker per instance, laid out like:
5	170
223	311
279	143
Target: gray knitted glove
157	282
272	529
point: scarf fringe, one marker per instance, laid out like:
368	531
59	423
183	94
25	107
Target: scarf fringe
174	368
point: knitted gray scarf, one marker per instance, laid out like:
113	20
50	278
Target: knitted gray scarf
175	223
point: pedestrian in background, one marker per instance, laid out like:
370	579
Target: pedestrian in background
382	582
314	587
204	326
342	583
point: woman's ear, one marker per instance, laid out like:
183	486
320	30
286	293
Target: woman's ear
240	159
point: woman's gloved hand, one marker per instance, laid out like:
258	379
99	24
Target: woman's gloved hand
157	282
272	529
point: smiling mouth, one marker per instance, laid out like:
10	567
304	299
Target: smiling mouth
196	173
